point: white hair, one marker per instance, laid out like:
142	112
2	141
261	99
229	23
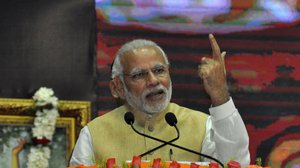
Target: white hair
117	67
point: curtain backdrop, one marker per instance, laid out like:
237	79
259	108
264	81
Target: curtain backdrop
47	43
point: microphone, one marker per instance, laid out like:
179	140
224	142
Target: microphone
172	121
129	118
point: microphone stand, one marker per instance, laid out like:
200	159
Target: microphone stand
160	146
180	147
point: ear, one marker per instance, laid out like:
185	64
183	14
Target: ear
116	88
112	87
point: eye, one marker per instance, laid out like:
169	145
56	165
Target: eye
139	75
160	70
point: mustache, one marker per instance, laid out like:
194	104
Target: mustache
155	89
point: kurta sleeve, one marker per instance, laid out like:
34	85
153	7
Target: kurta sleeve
226	135
83	150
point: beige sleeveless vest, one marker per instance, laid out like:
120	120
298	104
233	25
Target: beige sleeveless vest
112	137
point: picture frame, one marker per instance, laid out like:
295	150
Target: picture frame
66	123
79	110
17	116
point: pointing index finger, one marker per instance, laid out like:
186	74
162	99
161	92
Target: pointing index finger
216	52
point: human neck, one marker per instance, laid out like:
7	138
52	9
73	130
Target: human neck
142	117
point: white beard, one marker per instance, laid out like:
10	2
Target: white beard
140	102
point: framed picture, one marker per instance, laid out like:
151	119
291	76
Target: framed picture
79	110
16	121
15	128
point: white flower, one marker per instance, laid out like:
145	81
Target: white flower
51	113
43	93
39	113
49	132
38	132
53	101
44	127
45	96
38	157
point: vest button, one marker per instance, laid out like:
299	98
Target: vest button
150	128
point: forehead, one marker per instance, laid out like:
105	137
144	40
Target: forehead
143	57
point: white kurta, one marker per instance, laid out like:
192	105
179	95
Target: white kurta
226	138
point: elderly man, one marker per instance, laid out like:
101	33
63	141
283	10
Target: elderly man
140	77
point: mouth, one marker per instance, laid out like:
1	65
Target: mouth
156	95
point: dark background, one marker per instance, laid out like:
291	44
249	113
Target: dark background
49	44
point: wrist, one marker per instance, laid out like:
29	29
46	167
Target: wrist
220	99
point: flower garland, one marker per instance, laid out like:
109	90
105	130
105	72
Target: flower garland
45	104
137	162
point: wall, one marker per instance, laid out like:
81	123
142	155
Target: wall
47	43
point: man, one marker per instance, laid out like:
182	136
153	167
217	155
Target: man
140	77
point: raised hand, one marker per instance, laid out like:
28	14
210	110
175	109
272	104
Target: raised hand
213	72
17	149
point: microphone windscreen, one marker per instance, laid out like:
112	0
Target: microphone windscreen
129	118
171	119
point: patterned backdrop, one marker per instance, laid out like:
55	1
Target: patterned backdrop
262	40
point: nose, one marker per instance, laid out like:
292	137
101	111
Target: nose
152	80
